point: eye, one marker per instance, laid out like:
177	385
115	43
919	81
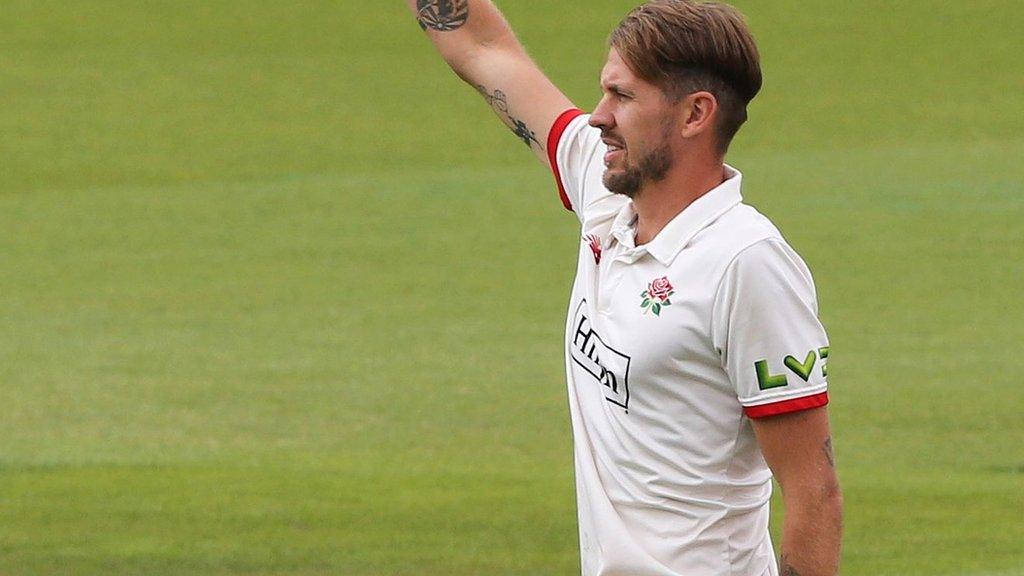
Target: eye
617	93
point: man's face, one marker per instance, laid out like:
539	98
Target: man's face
637	124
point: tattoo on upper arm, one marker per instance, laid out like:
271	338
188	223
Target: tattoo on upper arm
829	454
442	15
499	102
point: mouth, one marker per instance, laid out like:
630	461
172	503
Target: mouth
615	151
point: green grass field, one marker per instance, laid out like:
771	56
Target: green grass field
278	296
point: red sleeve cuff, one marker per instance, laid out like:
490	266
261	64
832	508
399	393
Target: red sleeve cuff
786	406
554	136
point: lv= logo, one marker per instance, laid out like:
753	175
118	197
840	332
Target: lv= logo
766	380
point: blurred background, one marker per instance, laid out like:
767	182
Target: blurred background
278	296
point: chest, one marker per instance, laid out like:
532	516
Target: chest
647	303
641	329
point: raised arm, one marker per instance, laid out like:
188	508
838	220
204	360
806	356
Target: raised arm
476	41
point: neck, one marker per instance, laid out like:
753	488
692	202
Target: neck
657	203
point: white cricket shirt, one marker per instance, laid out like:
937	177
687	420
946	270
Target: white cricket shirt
671	348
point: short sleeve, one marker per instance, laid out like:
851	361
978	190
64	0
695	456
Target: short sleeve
766	327
575	151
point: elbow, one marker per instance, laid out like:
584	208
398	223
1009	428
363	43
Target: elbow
835	504
467	64
816	501
473	60
830	497
830	503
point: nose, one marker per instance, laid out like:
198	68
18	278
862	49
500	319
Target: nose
602	116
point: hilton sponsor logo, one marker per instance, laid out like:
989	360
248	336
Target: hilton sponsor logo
609	367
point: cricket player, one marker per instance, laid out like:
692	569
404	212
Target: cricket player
695	360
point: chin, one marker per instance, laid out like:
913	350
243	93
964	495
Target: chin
621	182
612	174
608	179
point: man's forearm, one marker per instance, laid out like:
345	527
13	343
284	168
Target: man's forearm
811	535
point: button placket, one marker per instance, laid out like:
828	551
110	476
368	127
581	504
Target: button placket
609	283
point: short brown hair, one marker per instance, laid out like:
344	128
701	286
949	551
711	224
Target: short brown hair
684	46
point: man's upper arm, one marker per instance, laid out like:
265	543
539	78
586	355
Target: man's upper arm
798	448
766	327
775	350
519	94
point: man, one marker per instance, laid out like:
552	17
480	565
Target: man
695	360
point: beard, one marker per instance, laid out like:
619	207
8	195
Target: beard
652	167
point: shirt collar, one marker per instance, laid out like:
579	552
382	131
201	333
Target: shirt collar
691	220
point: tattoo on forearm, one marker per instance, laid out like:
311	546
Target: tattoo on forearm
499	102
442	15
787	570
829	455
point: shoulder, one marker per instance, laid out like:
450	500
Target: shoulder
758	266
740	234
572	142
576	154
751	259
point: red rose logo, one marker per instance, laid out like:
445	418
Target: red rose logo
660	289
657	295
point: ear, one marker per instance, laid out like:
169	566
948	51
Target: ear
700	111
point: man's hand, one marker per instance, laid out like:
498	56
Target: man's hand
798	449
473	37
